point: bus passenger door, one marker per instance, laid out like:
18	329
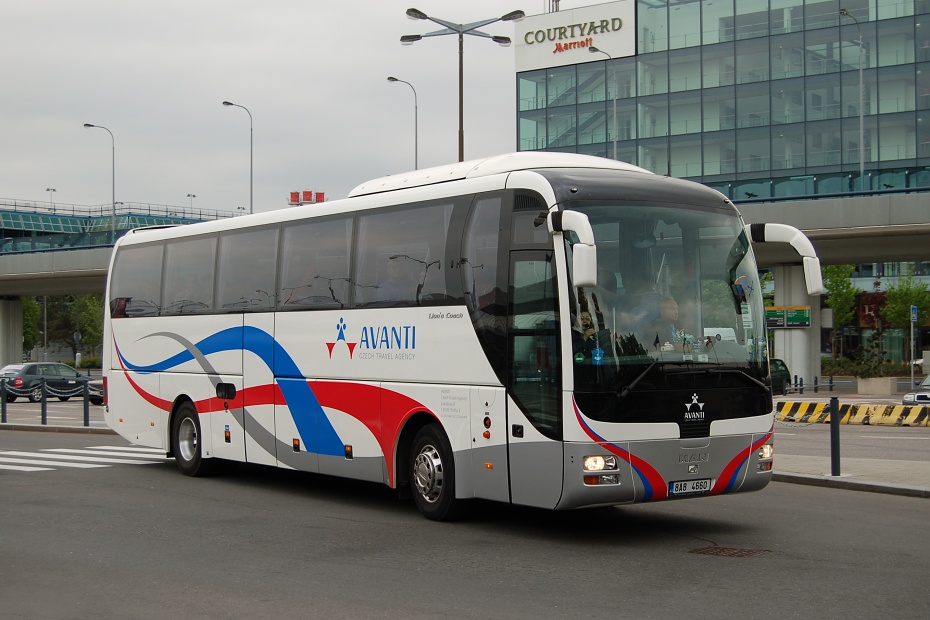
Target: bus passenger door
534	418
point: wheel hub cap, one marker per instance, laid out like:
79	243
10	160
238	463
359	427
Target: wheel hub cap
427	473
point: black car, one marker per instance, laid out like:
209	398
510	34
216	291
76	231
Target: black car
95	391
920	395
61	381
781	376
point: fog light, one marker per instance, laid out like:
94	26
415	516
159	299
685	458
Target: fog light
767	451
767	466
600	463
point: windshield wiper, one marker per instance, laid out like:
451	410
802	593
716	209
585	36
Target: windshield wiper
739	371
632	384
745	374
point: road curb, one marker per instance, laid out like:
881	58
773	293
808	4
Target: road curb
848	484
87	430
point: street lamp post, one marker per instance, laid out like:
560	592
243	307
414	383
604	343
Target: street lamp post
415	122
51	196
113	181
613	72
846	13
192	196
461	29
251	185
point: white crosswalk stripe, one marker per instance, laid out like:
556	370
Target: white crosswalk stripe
88	458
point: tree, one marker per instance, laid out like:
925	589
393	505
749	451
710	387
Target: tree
841	297
76	314
899	298
32	316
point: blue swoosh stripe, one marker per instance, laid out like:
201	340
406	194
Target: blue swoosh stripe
316	431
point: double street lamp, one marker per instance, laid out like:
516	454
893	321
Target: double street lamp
415	123
251	185
846	13
461	30
113	181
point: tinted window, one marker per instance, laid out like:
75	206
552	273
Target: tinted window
48	370
67	371
135	285
245	282
401	255
315	265
485	295
189	276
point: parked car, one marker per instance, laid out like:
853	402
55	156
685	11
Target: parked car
61	381
781	376
95	391
920	395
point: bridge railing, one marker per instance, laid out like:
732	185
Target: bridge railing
122	208
96	225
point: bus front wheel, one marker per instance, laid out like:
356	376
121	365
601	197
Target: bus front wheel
432	475
186	442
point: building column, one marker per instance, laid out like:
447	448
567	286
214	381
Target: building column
11	331
799	347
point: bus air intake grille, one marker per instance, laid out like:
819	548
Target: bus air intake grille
692	430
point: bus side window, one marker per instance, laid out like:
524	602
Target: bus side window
400	256
315	265
246	265
135	287
485	296
189	269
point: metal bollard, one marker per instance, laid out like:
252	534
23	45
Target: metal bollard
3	401
831	383
834	436
44	403
816	383
801	385
86	404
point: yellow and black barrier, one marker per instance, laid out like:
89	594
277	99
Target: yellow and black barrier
808	412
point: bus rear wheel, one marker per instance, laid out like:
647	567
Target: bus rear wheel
186	443
432	475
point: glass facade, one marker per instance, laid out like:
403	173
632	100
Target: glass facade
756	98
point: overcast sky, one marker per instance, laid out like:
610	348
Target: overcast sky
312	73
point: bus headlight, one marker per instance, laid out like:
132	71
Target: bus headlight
767	451
600	463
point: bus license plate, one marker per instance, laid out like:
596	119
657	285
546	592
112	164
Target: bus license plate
686	487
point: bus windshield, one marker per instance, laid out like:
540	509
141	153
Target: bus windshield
677	302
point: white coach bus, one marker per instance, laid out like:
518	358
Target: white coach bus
500	329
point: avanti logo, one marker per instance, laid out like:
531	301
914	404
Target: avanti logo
341	335
378	341
690	413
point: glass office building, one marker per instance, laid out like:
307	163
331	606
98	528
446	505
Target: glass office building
756	98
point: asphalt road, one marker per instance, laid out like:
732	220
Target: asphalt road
900	443
143	541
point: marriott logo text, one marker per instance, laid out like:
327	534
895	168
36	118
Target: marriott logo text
560	33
